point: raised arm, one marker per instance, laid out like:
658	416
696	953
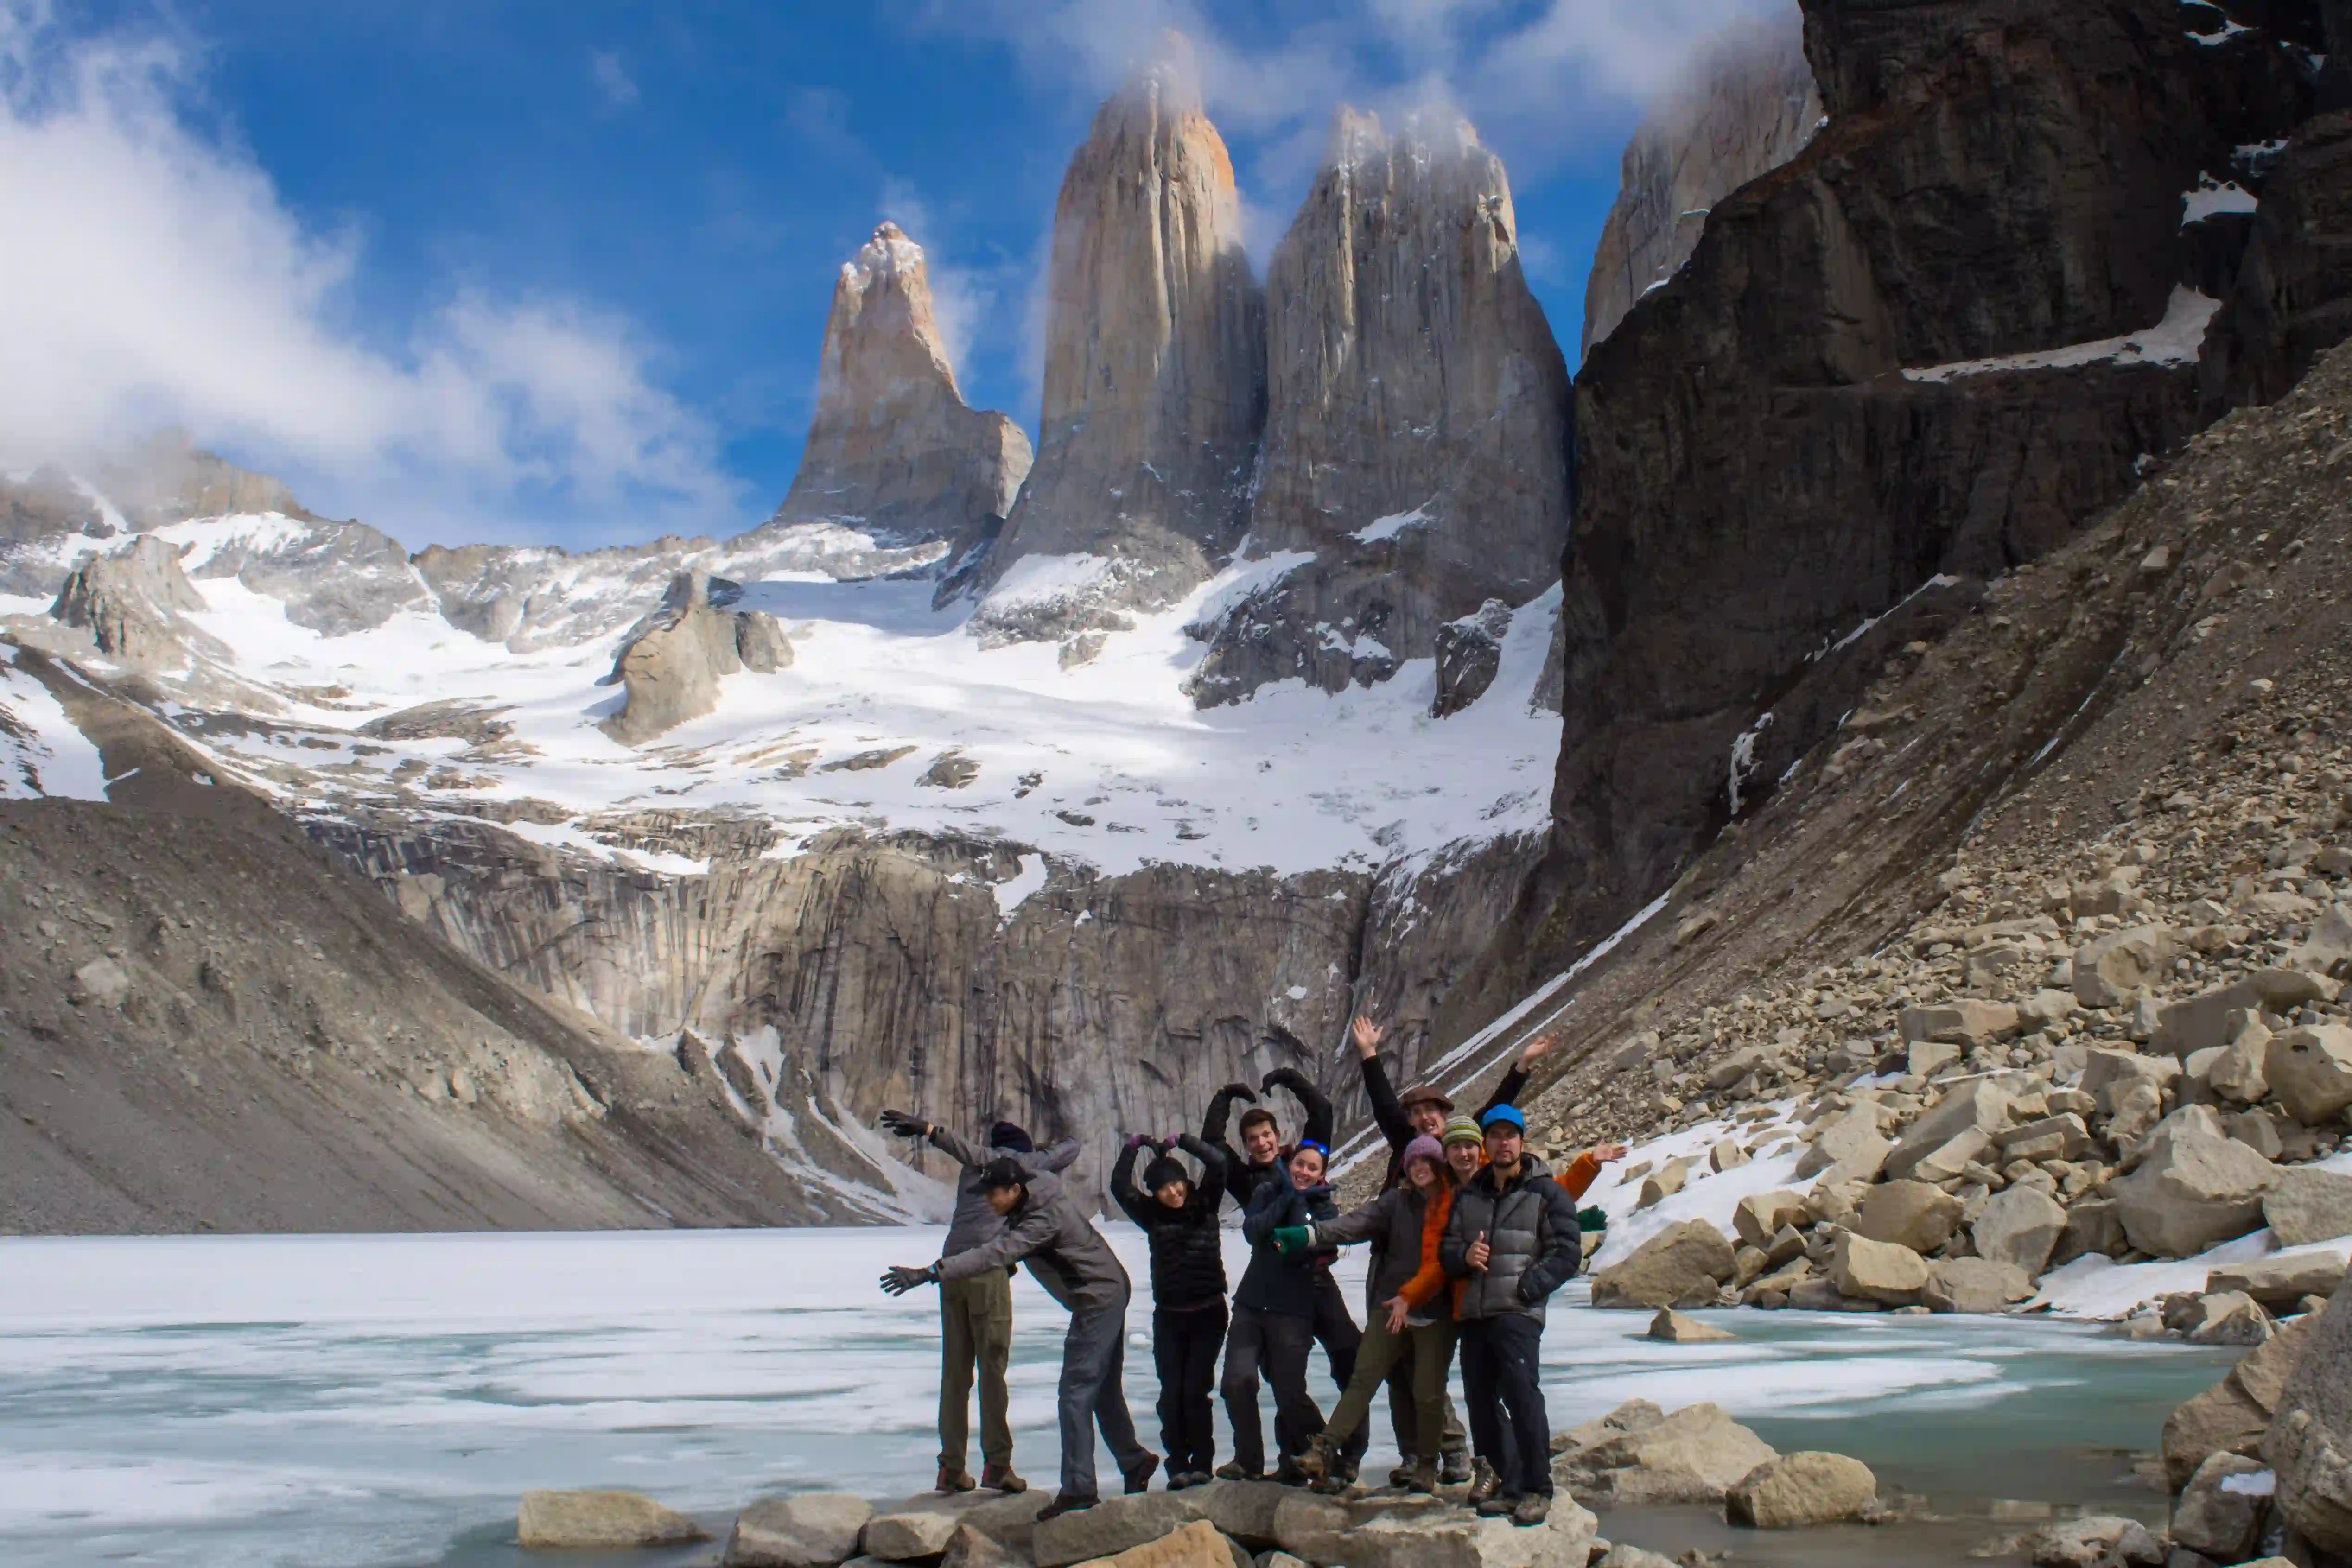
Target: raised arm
1221	1107
1053	1159
1122	1183
1318	1109
957	1148
1215	1165
1388	1115
1515	1081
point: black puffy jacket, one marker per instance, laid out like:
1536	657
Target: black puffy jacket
1188	1259
1530	1231
1272	1282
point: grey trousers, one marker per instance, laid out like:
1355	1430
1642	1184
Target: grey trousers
1093	1358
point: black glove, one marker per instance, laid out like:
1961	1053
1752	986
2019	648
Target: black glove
898	1282
906	1127
1233	1091
1288	1078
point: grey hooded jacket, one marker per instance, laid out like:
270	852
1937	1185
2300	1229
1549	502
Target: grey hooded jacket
1531	1232
1063	1250
974	1222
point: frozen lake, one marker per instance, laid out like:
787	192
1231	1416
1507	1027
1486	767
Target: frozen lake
364	1402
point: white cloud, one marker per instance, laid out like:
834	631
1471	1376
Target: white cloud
610	75
155	275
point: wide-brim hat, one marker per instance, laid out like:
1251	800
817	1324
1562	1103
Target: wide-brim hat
1426	1095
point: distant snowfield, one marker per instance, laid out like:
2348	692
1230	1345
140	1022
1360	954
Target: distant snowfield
1107	763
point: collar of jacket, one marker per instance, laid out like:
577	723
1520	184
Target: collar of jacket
1530	1169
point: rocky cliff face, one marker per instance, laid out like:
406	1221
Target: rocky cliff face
1934	342
893	448
1417	416
918	972
1155	371
670	666
132	604
1748	105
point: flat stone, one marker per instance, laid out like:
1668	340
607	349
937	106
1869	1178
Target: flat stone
2060	1138
1199	1544
1110	1527
1799	1489
922	1525
583	1521
1966	1022
1675	1328
1974	1285
2279	1284
1451	1537
815	1530
2308	1204
1243	1510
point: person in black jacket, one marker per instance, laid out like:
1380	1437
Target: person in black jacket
1260	1163
1512	1241
1274	1320
1188	1291
1420	1113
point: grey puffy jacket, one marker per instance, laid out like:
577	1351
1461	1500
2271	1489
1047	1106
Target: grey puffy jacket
1530	1229
1063	1250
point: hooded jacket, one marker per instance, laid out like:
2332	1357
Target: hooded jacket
1188	1259
1272	1282
1063	1250
1405	1228
1530	1228
974	1221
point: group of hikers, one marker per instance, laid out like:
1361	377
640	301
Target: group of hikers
1470	1234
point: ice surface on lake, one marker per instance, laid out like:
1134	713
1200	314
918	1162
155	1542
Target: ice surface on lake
338	1402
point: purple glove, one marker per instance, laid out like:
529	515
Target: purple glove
1139	1141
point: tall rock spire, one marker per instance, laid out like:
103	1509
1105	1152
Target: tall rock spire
1155	362
892	445
1416	438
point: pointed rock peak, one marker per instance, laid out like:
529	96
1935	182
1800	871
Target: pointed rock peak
887	257
1168	79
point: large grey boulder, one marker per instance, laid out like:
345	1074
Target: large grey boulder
1199	1544
2219	1521
1974	1285
1683	1265
2310	1072
2205	1020
1111	1527
1909	1214
1877	1270
923	1526
761	641
2308	1204
2108	969
1695	1454
2192	1190
2309	1443
1451	1538
1802	1488
816	1531
582	1520
2019	1225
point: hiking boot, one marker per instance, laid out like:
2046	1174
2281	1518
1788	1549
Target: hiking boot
1291	1473
1318	1461
954	1478
1420	1476
1456	1469
1066	1502
1502	1505
1139	1477
1401	1475
1179	1481
1231	1470
1533	1509
999	1478
1483	1482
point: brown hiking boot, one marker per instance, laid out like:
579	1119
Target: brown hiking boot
1483	1482
1420	1476
1316	1463
954	1478
1533	1509
999	1478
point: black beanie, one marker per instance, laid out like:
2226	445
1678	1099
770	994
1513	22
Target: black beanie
1162	1171
1001	1173
1011	1135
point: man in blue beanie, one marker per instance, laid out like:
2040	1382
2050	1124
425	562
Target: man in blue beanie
976	1315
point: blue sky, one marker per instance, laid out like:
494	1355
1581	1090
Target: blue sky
559	271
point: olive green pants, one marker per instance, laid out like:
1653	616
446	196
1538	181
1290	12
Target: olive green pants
1433	1358
975	1334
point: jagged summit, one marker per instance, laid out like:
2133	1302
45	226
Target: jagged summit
894	447
1155	358
1417	414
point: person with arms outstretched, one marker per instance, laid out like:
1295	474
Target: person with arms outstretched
1067	1256
976	1314
1177	1215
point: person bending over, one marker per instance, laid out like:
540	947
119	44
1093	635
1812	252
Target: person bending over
1412	1306
1259	1163
1512	1241
976	1315
1179	1217
1273	1320
1069	1257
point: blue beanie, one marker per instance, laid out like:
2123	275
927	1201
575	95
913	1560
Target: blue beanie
1508	1115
